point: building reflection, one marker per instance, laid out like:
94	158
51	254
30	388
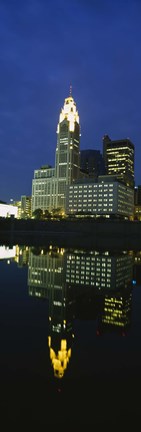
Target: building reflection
7	253
47	279
22	255
116	312
84	285
102	270
137	268
111	276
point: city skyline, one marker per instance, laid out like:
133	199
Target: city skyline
44	50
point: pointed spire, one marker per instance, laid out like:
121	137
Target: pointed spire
70	90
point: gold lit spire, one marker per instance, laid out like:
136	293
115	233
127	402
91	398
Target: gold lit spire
69	112
60	359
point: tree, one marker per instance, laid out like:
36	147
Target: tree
37	214
57	212
46	214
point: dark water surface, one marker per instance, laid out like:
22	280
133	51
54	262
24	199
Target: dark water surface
70	346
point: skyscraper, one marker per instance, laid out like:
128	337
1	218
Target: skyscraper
119	159
67	160
49	184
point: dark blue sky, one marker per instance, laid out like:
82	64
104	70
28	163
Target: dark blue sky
46	45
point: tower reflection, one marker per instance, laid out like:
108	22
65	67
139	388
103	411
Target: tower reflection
84	285
47	278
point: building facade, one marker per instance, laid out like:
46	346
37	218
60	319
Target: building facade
25	207
43	189
106	196
8	210
119	159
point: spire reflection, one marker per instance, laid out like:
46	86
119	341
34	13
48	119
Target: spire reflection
47	279
101	281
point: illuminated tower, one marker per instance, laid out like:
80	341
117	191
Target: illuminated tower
67	159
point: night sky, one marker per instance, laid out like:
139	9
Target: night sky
46	45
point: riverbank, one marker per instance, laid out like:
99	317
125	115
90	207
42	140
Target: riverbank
76	233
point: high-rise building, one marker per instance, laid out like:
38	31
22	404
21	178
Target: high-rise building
49	184
92	163
119	158
67	160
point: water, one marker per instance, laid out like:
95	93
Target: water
70	346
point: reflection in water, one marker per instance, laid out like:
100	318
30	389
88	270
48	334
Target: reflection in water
116	311
7	252
69	277
78	284
47	278
137	268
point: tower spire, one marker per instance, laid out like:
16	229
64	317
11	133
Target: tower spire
70	90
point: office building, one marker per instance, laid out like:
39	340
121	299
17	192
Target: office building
105	196
92	163
43	189
119	159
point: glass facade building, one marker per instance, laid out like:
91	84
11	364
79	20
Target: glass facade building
119	159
